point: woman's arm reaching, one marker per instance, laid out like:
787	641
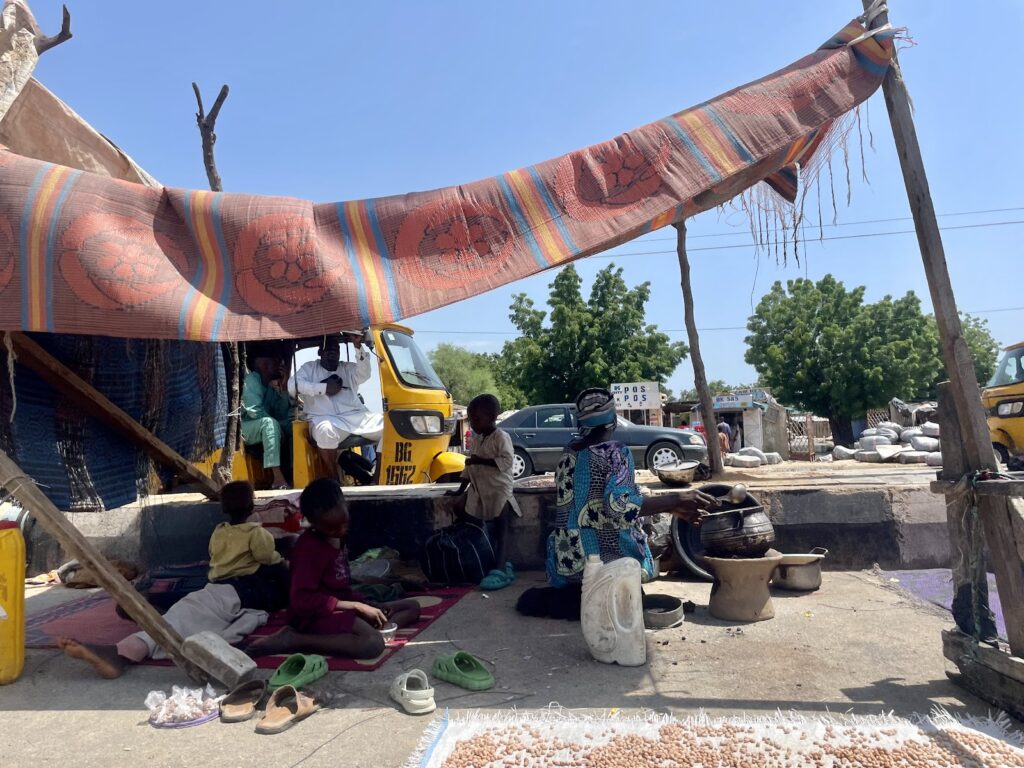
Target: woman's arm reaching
689	505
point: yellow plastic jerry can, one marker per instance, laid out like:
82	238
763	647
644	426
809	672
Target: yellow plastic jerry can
12	603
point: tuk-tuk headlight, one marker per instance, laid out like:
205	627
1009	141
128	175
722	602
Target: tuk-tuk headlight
426	424
1012	408
413	424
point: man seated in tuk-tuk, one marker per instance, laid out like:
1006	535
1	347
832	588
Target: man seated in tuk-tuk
267	414
329	391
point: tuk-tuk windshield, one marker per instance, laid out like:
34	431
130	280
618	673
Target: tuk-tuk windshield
410	363
1010	369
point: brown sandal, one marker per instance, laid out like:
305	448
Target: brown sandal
285	708
240	705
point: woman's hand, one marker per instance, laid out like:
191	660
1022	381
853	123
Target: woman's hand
693	505
375	616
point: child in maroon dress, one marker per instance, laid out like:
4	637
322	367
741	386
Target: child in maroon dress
324	615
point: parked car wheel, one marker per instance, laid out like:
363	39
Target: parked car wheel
662	453
686	539
522	465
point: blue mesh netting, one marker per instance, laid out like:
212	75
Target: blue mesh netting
175	389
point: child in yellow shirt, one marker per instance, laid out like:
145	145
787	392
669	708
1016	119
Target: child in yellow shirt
243	555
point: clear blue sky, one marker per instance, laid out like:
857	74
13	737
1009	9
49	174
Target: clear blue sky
336	100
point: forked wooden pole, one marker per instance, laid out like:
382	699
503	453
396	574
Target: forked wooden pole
700	379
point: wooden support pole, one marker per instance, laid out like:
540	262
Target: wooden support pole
232	350
60	377
996	514
27	493
700	379
966	540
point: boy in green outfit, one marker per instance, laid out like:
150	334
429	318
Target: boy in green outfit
267	414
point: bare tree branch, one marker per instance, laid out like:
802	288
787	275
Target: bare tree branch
207	123
44	44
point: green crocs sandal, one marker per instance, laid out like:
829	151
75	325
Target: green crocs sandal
464	670
498	579
298	670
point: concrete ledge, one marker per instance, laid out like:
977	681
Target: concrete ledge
893	526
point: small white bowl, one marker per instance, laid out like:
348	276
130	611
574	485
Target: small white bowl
388	631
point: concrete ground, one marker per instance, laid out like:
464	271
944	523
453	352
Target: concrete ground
857	645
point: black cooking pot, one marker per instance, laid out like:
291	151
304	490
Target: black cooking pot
735	529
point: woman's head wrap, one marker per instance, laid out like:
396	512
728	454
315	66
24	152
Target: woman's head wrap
595	408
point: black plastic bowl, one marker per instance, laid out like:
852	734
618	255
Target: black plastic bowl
662	611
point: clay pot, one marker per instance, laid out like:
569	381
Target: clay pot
740	591
739	529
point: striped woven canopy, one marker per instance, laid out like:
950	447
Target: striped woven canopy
83	253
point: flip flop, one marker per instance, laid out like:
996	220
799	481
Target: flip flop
299	670
285	708
413	692
240	705
498	579
464	670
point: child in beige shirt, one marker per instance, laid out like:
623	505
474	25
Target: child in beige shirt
487	483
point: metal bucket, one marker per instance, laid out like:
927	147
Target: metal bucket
800	573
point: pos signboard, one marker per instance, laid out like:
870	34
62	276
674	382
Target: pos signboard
637	396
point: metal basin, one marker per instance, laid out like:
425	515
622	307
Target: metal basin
677	473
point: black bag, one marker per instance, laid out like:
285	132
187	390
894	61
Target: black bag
356	466
459	554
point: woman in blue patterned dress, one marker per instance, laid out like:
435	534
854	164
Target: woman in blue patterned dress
599	503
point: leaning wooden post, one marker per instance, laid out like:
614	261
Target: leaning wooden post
700	379
27	493
96	404
997	516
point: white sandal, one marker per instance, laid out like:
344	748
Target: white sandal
413	692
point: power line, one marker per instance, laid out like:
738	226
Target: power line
683	330
809	225
750	245
805	241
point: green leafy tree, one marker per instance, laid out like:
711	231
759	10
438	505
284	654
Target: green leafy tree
984	350
467	374
585	343
818	347
717	387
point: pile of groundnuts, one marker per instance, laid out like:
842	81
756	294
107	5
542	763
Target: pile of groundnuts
724	745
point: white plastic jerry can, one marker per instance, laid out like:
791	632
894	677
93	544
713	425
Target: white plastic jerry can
611	611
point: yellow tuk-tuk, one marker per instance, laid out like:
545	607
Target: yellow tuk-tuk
1004	403
419	423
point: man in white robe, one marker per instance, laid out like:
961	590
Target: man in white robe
329	392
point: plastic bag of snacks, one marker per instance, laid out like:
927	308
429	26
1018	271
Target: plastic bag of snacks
184	707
